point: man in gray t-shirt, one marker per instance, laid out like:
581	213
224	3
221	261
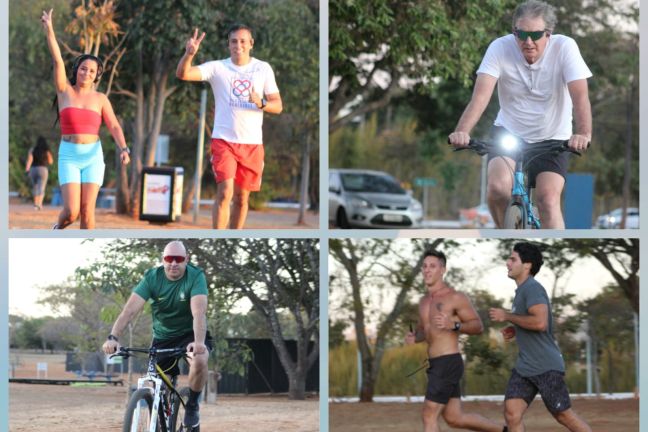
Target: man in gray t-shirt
539	367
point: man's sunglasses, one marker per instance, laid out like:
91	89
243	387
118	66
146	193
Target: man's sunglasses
177	258
534	35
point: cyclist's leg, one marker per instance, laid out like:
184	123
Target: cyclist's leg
500	183
549	186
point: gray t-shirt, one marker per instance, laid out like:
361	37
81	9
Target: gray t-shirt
538	351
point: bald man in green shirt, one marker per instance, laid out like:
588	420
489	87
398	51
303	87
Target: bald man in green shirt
177	292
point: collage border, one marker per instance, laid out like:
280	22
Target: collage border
322	233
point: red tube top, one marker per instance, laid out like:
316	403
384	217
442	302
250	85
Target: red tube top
79	121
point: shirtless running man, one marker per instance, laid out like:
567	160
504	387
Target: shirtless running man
443	314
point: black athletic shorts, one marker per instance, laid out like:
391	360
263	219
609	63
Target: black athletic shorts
444	375
170	364
543	163
550	384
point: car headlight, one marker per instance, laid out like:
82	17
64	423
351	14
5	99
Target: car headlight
361	203
416	206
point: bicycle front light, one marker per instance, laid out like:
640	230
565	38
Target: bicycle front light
509	142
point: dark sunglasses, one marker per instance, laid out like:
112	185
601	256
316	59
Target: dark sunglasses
534	35
177	258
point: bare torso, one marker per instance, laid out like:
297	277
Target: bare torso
440	341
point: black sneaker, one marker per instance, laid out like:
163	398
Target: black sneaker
191	418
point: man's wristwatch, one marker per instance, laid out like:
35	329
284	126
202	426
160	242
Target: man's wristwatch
457	326
112	338
125	149
264	102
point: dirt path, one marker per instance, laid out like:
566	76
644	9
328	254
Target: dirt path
50	408
601	415
23	216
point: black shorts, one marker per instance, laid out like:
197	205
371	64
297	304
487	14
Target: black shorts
550	384
169	364
444	375
543	163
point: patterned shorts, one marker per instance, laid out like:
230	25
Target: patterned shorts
551	386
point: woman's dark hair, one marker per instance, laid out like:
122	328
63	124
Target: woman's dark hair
39	152
73	77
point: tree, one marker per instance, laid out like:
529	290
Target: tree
379	48
377	264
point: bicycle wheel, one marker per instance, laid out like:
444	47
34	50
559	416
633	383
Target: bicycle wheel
515	217
138	412
178	411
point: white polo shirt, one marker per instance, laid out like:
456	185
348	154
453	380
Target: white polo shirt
534	99
236	119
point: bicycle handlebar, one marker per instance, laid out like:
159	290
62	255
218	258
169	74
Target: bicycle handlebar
127	352
484	147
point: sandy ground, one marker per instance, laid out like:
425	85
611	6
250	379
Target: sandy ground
601	415
23	216
54	408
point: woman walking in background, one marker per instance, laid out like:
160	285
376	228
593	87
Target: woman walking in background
81	110
38	158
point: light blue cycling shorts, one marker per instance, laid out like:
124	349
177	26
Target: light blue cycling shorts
80	163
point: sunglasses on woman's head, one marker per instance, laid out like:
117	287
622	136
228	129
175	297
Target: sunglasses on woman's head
534	35
177	258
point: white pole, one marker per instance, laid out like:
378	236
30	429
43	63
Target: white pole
588	353
199	153
482	189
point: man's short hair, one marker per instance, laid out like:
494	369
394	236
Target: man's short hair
529	253
535	9
437	254
238	26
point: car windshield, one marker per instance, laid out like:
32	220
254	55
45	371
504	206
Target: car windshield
371	183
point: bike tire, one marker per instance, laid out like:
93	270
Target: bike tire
139	409
178	411
515	217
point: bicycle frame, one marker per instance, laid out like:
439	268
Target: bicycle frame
521	193
160	386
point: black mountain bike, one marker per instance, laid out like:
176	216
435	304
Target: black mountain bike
156	405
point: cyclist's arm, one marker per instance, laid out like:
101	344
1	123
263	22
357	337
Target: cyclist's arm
132	307
199	312
484	87
578	90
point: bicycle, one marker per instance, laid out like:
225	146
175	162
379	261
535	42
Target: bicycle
520	213
156	405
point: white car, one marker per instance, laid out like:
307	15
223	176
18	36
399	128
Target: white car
612	220
370	199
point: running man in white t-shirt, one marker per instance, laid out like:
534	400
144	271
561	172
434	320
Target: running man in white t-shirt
244	88
541	78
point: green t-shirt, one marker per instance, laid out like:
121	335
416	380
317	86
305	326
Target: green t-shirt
171	300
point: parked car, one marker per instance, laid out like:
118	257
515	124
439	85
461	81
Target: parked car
612	220
476	217
370	199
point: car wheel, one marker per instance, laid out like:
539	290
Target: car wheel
341	219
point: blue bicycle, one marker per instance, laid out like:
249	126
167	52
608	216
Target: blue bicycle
520	213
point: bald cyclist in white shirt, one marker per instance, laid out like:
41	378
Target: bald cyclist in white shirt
541	77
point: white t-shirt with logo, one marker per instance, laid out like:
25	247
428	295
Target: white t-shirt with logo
236	119
534	99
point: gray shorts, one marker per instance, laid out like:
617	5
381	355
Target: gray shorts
551	386
38	176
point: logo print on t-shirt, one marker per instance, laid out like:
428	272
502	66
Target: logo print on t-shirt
241	88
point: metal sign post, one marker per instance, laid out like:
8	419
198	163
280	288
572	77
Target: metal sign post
199	153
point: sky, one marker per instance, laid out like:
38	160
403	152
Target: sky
35	263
